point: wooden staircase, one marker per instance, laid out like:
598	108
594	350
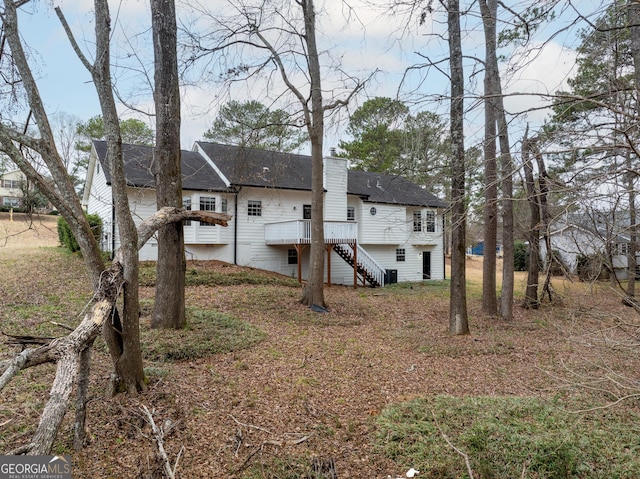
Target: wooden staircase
368	270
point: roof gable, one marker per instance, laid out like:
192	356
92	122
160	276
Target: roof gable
197	174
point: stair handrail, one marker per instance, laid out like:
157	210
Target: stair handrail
366	261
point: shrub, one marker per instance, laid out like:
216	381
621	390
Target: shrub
520	262
68	240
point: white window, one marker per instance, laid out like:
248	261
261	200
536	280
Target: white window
417	221
254	208
351	213
13	202
430	222
623	248
11	183
186	204
207	203
223	205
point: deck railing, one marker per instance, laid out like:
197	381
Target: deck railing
299	232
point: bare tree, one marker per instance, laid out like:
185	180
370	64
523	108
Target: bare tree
68	352
314	118
634	27
169	306
489	9
123	337
287	33
533	270
458	322
61	192
506	173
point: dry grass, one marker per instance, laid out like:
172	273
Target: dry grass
324	378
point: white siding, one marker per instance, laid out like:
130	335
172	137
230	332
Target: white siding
387	226
14	192
571	242
202	242
380	234
335	184
408	270
99	201
277	206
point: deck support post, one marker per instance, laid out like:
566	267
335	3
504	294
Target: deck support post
354	247
329	247
299	248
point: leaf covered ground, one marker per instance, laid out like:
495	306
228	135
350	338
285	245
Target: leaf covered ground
303	386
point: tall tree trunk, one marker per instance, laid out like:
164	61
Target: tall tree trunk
533	271
634	27
124	338
545	224
458	322
169	307
488	9
314	290
506	181
633	232
508	259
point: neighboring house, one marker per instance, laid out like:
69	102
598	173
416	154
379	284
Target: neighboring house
10	188
620	258
572	241
478	249
389	227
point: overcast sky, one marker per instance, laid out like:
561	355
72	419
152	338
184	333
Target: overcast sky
363	38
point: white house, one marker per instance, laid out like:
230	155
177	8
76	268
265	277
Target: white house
572	241
389	227
10	188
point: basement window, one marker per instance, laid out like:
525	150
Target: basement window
400	254
254	208
292	256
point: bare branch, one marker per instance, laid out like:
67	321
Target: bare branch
76	48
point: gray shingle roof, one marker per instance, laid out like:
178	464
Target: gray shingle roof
390	189
262	168
197	174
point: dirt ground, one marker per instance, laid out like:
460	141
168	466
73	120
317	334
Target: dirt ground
315	385
19	232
